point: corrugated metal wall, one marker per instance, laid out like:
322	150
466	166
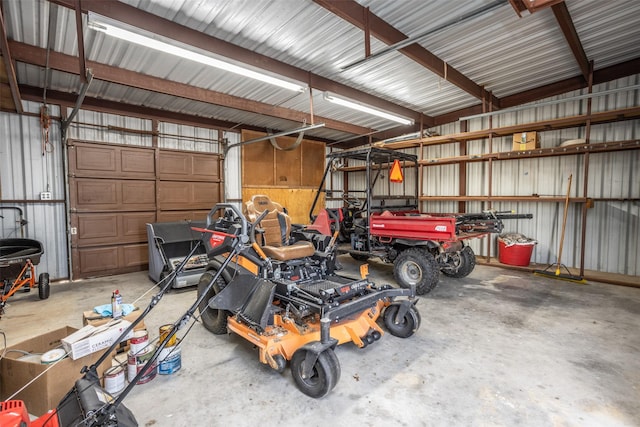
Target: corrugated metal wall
232	170
24	174
613	227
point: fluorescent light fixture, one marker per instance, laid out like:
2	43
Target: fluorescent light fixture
118	30
361	107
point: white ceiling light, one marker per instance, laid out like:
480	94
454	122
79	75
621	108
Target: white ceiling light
118	30
365	108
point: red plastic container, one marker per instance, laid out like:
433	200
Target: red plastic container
518	254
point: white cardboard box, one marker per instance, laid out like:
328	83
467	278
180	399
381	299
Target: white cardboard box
91	338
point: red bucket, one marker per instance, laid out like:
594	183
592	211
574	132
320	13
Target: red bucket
518	254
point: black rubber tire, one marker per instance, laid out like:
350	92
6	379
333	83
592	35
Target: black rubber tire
360	257
408	325
416	266
43	286
326	373
213	320
467	264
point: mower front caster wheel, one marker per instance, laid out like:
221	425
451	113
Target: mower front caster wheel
43	286
324	375
406	325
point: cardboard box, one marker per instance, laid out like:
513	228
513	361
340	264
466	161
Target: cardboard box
49	389
90	338
94	319
525	141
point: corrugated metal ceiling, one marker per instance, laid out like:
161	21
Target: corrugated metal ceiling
496	49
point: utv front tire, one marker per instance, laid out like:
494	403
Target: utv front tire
214	320
416	266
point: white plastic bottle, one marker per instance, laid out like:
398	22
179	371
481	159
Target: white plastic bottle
116	304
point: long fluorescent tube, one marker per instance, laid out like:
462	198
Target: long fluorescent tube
98	23
361	107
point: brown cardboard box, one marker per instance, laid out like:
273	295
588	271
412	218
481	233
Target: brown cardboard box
50	388
94	319
525	141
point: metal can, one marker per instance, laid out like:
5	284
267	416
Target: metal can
138	361
114	381
165	330
170	360
139	341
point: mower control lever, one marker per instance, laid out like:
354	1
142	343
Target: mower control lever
244	237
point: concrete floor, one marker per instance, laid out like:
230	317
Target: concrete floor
498	348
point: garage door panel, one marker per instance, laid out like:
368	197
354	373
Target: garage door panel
134	255
104	228
97	228
134	225
175	194
94	260
137	162
115	190
95	194
91	160
109	194
188	195
172	216
138	195
206	193
206	167
172	164
180	166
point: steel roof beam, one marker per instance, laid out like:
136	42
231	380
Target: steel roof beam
68	100
563	17
80	35
354	13
157	25
69	64
9	66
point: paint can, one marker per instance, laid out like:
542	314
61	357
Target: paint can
165	330
137	361
170	360
139	340
114	381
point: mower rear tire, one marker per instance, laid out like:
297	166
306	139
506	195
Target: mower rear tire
214	320
324	377
466	264
416	266
43	286
406	326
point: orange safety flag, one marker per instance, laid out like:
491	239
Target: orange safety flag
396	172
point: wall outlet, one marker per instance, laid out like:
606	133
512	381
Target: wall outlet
45	195
74	230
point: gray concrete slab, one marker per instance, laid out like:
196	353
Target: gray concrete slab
498	348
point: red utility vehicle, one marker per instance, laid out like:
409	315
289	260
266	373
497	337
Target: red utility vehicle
380	218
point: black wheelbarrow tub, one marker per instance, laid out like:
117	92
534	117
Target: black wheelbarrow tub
14	254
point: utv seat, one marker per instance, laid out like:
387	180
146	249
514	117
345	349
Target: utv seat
276	226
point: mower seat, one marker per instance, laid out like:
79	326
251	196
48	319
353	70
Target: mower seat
276	234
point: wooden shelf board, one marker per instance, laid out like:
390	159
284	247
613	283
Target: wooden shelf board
545	125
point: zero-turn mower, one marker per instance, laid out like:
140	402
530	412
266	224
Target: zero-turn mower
281	293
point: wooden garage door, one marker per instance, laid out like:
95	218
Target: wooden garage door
114	190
